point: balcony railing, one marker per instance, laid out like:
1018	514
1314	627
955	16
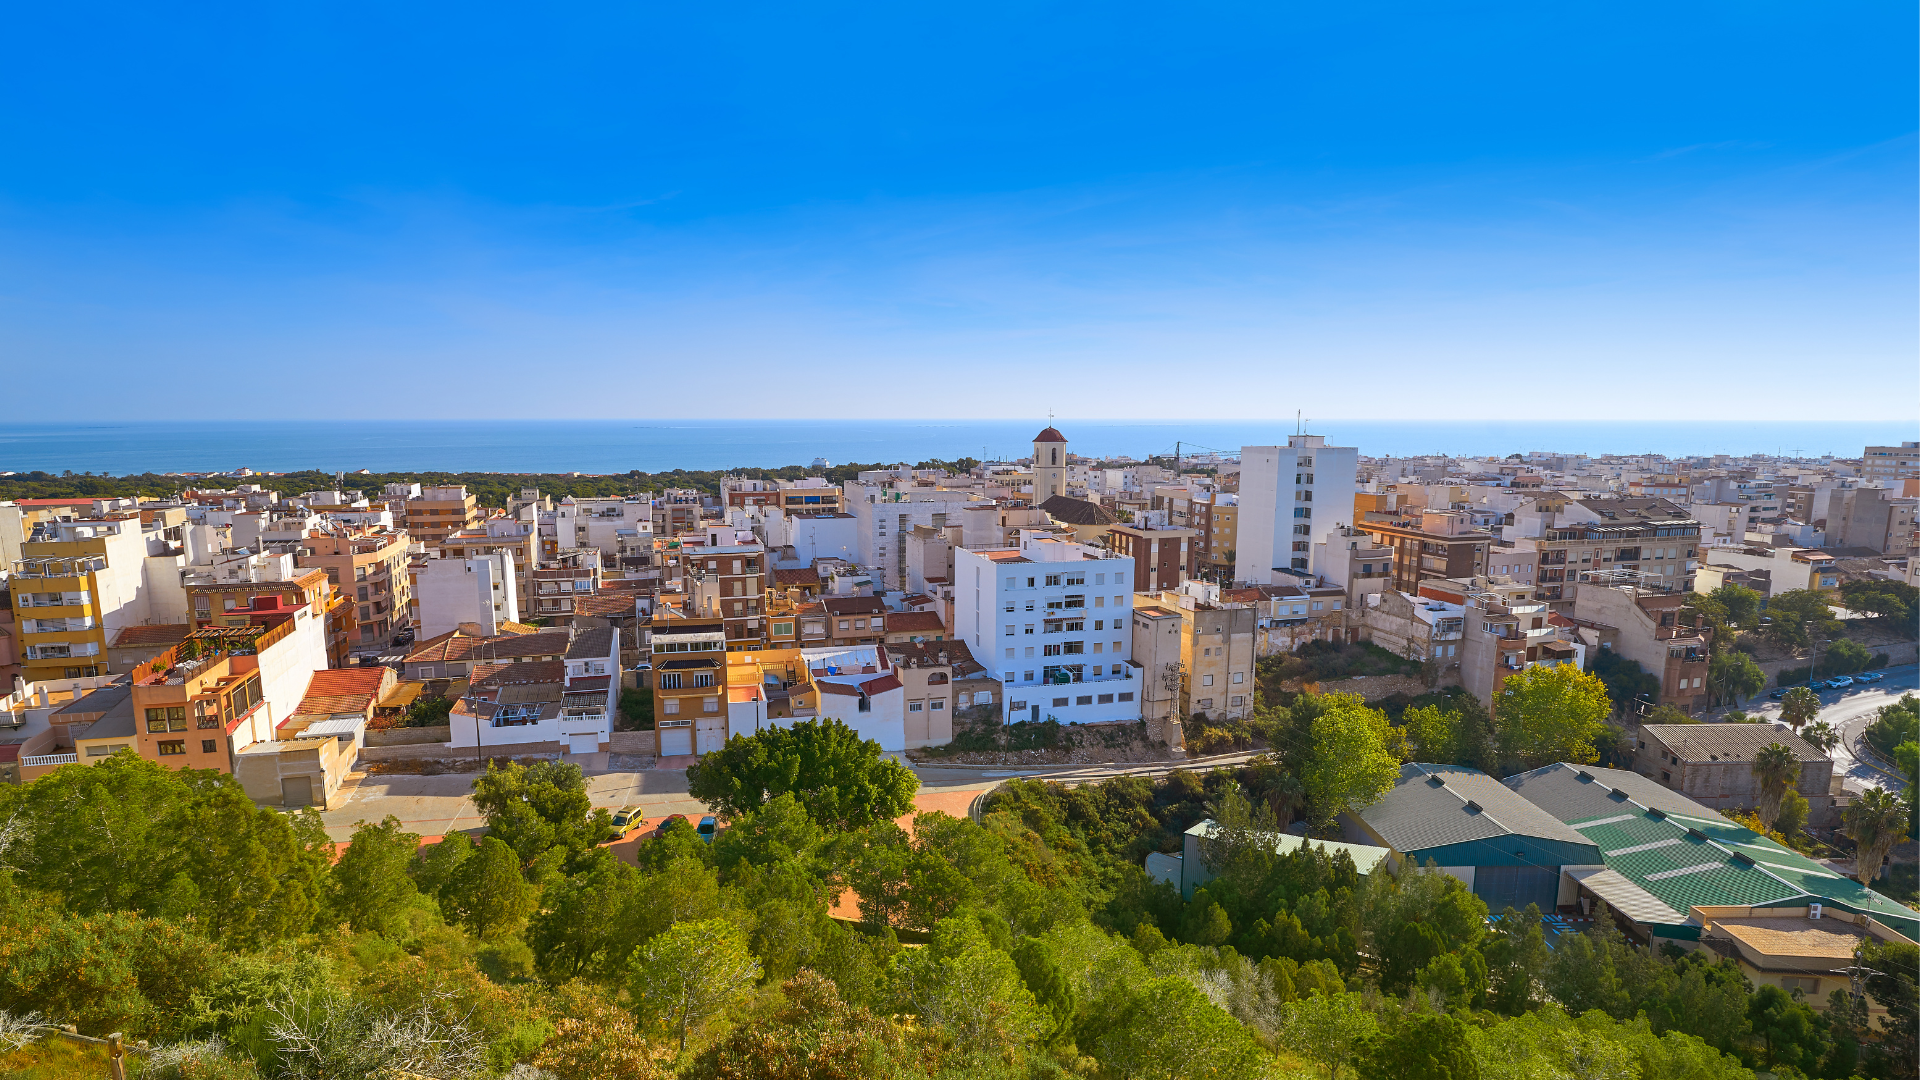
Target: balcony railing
33	761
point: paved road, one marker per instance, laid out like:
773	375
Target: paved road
1850	711
437	805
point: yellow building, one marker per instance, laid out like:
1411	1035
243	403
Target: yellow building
77	583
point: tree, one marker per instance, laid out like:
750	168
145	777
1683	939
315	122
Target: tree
1349	767
692	974
1626	681
1799	706
1777	770
1844	657
1896	723
1799	617
1171	1030
583	917
844	781
1822	736
369	889
488	894
1733	675
1741	604
1330	1029
1876	821
1895	601
1892	987
963	984
595	1040
1425	1046
539	807
1547	714
813	1035
1793	814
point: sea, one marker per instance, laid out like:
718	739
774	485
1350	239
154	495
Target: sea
617	446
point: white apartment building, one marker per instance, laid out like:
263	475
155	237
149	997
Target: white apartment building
483	590
1052	617
1291	496
622	529
884	516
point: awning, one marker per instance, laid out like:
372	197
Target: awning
339	725
1624	897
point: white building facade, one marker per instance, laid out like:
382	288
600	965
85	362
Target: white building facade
1290	497
484	591
1053	618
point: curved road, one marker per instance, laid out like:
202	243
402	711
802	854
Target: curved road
1850	711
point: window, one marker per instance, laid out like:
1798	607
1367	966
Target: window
1117	669
1029	628
984	697
207	746
1016	706
1029	652
1083	699
1126	695
1077	579
1009	629
173	746
1050	650
859	624
711	704
1059	703
1116	646
167	719
1206	703
1106	699
1099	579
936	705
1052	580
916	706
1010	582
1098	624
1237	701
1030	583
843	624
1009	605
1239	677
703	678
1096	646
1099	601
668	680
1120	578
1206	680
783	629
1009	652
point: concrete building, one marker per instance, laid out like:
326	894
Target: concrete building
438	512
1888	464
1645	626
1786	568
1289	616
492	537
481	593
1053	617
1503	632
1159	553
77	583
1423	629
369	571
1875	518
1439	544
1712	764
1290	496
690	672
1217	649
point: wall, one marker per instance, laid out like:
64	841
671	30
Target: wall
410	736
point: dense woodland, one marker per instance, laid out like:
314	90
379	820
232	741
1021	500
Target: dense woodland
817	938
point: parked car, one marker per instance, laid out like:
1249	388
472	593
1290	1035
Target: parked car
1839	682
1870	676
627	819
1778	694
660	830
404	637
709	825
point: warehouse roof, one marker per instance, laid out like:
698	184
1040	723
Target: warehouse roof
1684	854
1432	806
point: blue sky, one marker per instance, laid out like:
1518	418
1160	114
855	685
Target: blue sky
1106	210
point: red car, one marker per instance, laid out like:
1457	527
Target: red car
660	830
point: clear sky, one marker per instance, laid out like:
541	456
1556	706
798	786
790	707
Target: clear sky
1566	210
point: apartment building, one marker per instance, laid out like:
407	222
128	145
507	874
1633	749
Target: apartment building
1159	648
723	574
1217	649
481	593
1424	629
620	529
1712	764
491	537
369	570
934	677
1159	553
566	702
438	512
1875	518
1653	538
885	516
1504	630
1438	544
1053	617
689	677
456	654
1218	521
1786	568
1289	616
811	495
1290	495
571	575
78	581
225	594
1644	625
1890	464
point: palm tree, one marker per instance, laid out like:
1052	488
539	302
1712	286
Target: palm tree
1799	706
1822	735
1876	821
1776	768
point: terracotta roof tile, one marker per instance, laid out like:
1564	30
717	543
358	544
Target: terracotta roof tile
165	634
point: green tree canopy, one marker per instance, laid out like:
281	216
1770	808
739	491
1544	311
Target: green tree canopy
370	888
1733	675
844	781
487	892
1349	767
691	975
1799	616
1799	707
539	807
1626	681
1548	714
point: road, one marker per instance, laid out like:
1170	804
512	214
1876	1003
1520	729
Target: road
437	805
1850	711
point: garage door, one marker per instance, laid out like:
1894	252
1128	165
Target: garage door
296	791
676	741
713	734
1515	887
583	744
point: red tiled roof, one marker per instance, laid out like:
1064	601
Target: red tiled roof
164	634
806	575
533	672
604	604
915	622
456	645
840	689
881	685
853	605
344	690
591	682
